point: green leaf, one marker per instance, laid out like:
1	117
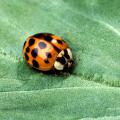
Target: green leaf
91	91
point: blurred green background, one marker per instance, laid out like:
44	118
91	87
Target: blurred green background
91	91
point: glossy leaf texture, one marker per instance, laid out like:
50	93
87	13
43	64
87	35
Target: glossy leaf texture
91	91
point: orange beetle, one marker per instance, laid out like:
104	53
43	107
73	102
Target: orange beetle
45	51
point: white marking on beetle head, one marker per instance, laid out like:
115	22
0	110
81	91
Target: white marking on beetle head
58	65
69	53
61	53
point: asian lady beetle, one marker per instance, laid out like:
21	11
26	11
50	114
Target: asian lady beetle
45	51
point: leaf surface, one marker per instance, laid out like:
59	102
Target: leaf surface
91	91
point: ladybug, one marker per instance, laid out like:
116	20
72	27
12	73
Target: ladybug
46	51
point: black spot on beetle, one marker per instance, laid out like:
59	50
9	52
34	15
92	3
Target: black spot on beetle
26	57
59	41
34	52
48	38
31	42
39	35
48	55
27	49
42	45
46	61
61	60
35	64
56	48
